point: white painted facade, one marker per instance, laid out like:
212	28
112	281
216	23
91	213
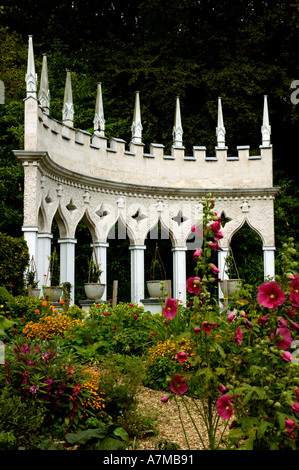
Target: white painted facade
72	175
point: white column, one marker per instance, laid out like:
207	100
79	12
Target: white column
101	253
137	273
179	273
67	263
221	266
43	258
30	235
269	262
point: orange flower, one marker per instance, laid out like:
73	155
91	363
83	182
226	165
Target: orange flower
44	303
55	311
36	311
61	301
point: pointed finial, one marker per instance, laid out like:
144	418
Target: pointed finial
99	121
220	129
136	124
31	77
68	108
266	128
177	128
44	92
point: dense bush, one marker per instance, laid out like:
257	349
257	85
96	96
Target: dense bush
14	259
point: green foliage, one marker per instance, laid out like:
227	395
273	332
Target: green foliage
14	259
104	437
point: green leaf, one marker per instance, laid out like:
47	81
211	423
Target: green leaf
262	429
122	433
83	436
109	443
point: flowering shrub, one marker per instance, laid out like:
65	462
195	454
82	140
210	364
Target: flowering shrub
49	326
242	370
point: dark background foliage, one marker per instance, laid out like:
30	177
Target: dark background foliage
197	50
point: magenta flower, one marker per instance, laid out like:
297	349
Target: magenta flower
170	309
263	320
196	330
196	254
214	269
238	336
218	235
287	356
291	313
177	386
297	393
164	399
231	317
216	226
215	246
295	408
289	426
286	338
294	294
207	326
181	356
270	295
224	407
193	285
221	388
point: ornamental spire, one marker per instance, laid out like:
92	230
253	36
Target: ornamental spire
220	129
136	124
266	128
31	77
68	108
99	121
177	128
44	92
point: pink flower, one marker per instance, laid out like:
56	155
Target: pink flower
218	235
197	230
215	246
170	309
295	408
196	330
193	285
291	313
177	386
231	317
224	408
106	313
221	388
263	320
135	316
214	269
216	226
164	399
286	338
238	336
196	254
287	356
294	295
289	426
270	295
282	323
181	356
207	326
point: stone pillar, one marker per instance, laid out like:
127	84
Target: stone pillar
137	273
269	262
30	235
221	266
43	258
101	254
179	273
67	263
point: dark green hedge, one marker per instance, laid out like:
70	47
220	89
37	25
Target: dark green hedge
14	259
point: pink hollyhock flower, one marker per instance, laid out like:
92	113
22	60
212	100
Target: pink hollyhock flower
270	295
181	356
218	235
207	326
294	326
291	313
287	356
224	407
238	336
196	254
106	313
193	285
231	317
221	388
294	295
196	330
214	269
286	338
295	408
263	320
282	323
289	426
170	309
215	246
177	386
135	316
197	230
216	226
164	399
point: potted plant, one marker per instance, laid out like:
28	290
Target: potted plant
53	292
231	285
94	289
158	286
32	282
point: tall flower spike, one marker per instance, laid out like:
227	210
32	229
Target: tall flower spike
68	108
31	76
220	129
136	124
177	128
266	128
99	121
44	92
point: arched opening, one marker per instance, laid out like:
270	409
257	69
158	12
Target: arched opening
82	259
246	246
159	235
